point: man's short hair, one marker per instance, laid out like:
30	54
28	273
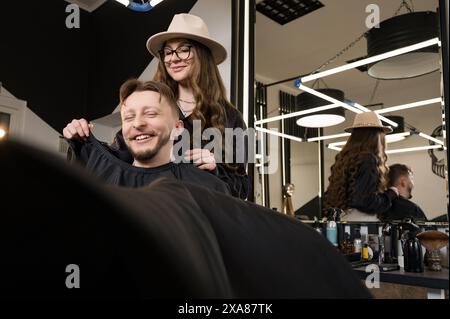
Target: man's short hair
396	171
135	85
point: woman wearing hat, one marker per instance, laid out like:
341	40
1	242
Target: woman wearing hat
188	59
357	183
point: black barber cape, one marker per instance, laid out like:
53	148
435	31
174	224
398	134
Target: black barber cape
98	159
403	208
169	239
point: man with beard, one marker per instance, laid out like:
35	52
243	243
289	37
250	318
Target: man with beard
401	177
150	121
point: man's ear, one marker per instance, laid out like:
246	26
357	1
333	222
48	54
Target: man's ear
403	181
178	130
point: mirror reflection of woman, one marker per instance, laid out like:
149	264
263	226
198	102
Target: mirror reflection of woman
358	179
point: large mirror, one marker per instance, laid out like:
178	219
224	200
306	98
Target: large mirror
327	34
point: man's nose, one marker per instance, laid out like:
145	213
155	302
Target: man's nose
138	122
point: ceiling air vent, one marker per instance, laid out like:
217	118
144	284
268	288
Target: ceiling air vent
284	11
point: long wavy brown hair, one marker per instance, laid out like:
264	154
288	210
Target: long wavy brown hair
362	142
207	86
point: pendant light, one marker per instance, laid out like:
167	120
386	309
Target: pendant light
305	101
398	32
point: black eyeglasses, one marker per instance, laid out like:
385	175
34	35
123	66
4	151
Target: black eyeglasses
183	53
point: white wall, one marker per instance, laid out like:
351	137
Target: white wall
103	133
31	128
217	15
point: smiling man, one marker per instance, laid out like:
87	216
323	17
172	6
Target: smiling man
150	123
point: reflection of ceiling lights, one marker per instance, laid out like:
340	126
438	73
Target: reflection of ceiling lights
325	118
370	60
2	133
354	107
401	31
141	7
276	133
337	146
408	106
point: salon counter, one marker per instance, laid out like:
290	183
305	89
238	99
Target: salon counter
428	279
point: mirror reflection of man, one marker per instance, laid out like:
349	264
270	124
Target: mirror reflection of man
402	177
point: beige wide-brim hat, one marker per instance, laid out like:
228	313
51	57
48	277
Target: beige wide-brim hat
368	119
187	26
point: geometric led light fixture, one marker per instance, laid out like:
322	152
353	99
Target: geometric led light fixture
354	107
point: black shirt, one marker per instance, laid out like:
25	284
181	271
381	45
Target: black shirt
236	178
99	160
366	196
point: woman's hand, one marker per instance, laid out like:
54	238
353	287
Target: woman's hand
202	158
395	189
77	130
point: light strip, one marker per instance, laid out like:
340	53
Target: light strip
408	106
335	147
329	98
357	108
338	143
124	2
412	149
298	113
373	59
392	135
428	137
246	62
327	137
384	119
264	130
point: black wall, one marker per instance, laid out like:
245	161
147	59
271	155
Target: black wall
71	73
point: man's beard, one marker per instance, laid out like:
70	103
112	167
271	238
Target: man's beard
147	155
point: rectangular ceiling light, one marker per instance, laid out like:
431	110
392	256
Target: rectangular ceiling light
373	59
273	132
413	149
408	106
294	114
327	137
337	146
284	11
